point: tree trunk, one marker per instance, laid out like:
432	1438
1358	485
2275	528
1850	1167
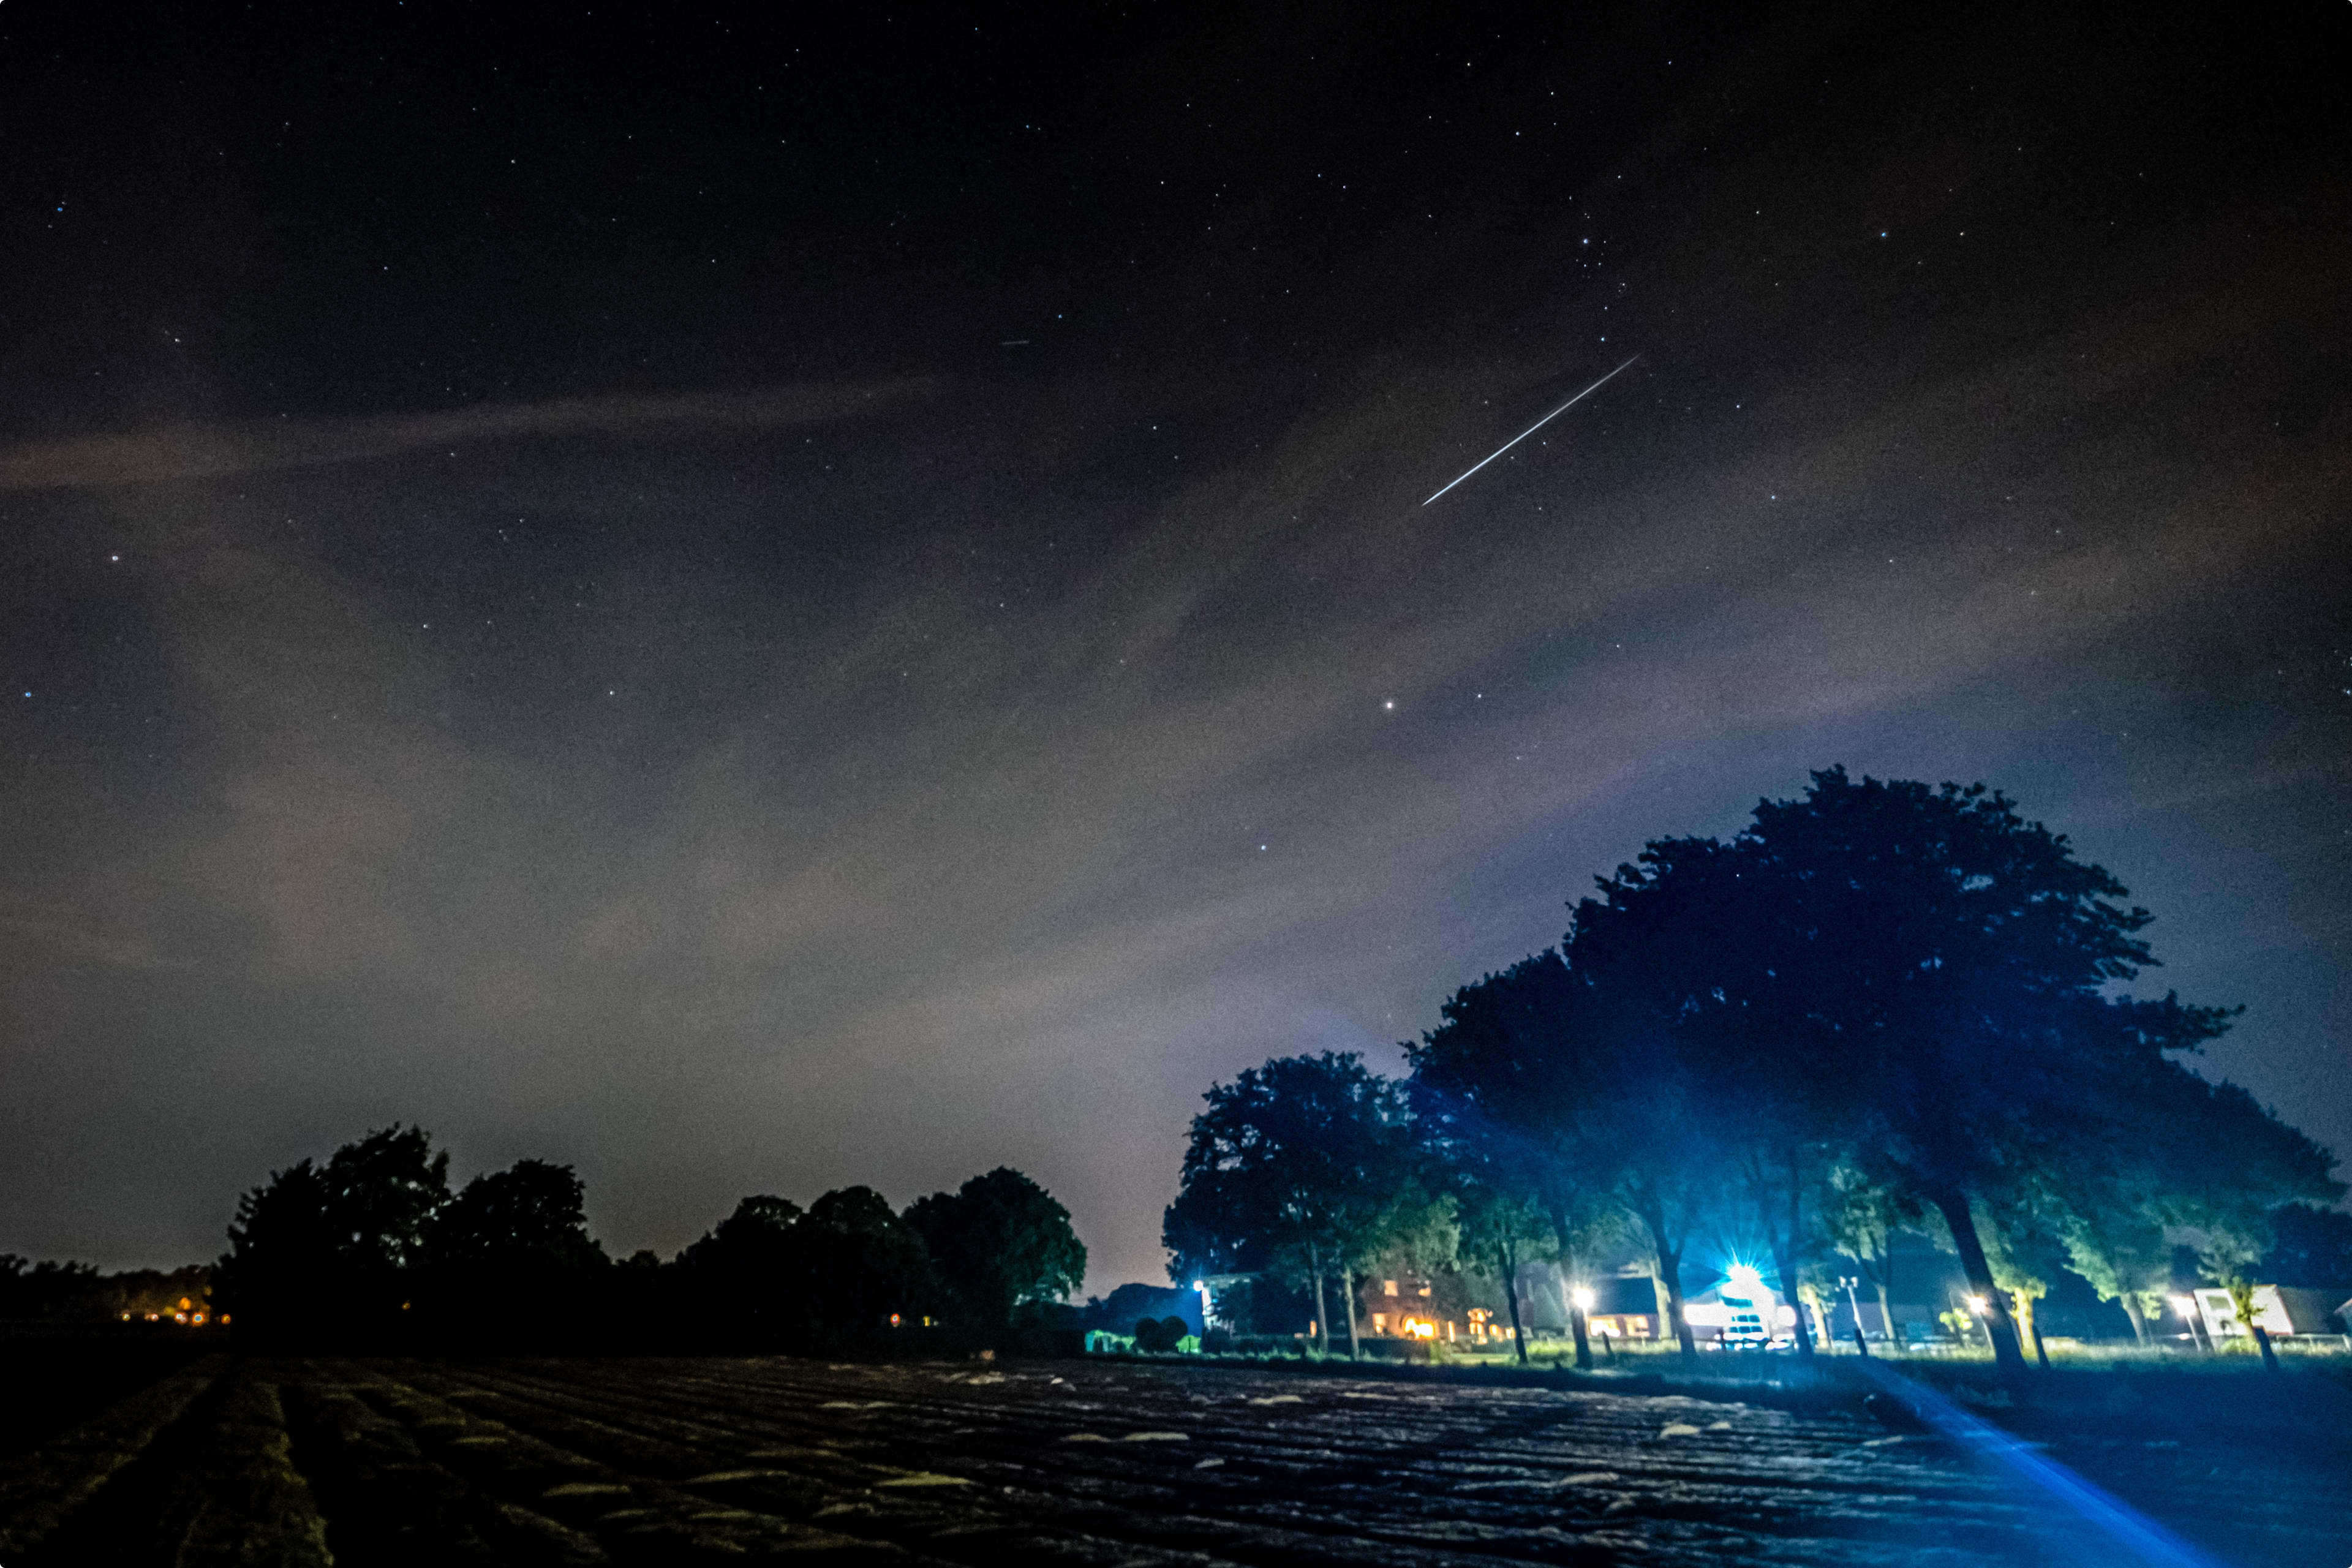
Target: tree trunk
1347	1288
2139	1318
1787	1253
1953	1204
1683	1334
1322	1316
1885	1315
2263	1343
1507	1255
1666	1277
1569	1268
2030	1332
1787	1264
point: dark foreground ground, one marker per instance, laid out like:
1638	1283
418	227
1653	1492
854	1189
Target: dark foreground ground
256	1461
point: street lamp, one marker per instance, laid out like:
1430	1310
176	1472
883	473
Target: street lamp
1584	1297
2186	1307
1980	1306
1860	1341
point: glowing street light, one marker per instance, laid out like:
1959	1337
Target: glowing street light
1860	1341
1584	1297
2186	1307
1744	1275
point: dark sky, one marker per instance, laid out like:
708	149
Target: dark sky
755	604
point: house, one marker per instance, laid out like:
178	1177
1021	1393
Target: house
1624	1307
2283	1310
1405	1307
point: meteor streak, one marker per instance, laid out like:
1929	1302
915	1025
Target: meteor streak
1532	429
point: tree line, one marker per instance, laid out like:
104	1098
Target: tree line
66	1290
371	1243
1880	1005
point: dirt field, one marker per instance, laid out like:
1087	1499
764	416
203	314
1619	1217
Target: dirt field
707	1460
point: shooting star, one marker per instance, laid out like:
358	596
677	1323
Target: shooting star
1533	428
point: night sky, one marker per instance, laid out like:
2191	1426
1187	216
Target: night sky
756	604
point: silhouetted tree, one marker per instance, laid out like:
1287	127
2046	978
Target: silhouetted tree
47	1289
1161	1334
1518	1095
1302	1165
318	1247
2252	1164
2310	1246
999	1242
1921	975
1683	947
859	1264
741	1275
512	1245
528	1215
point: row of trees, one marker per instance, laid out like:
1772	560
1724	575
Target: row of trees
373	1238
1880	1005
67	1291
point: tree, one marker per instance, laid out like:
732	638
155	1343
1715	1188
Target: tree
1497	1216
47	1289
526	1216
1512	1093
1859	1217
2311	1247
999	1242
2023	1260
320	1245
742	1272
1298	1166
1925	974
511	1246
2253	1164
855	1263
2114	1234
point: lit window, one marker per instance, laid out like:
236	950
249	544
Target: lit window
1387	1288
1380	1322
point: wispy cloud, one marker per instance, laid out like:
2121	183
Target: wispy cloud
215	449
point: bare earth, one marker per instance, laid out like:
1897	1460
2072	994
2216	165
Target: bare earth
707	1460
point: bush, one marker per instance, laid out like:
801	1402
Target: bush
1160	1335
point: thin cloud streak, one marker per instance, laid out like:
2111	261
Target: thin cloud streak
221	449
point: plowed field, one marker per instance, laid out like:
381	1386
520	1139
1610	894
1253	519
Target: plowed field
651	1461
